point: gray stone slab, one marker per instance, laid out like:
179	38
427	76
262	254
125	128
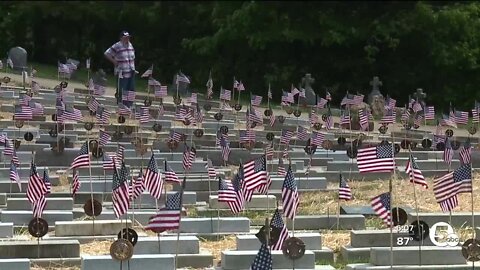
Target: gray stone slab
459	219
15	264
313	241
12	188
367	266
215	225
137	262
52	204
6	229
355	254
347	222
168	245
257	202
44	249
22	218
87	227
233	259
380	238
409	256
147	201
365	210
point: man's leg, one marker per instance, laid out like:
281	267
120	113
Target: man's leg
130	86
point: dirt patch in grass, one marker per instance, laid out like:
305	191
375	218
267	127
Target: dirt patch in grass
216	247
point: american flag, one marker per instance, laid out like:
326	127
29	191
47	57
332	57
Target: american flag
321	102
37	109
415	173
418	120
167	218
348	99
313	117
256	100
448	152
153	180
453	183
461	117
358	99
212	173
14	177
277	222
363	119
240	86
120	191
390	103
302	133
63	68
290	197
102	116
148	72
8	150
142	114
23	112
381	206
47	183
376	159
449	204
328	96
269	94
72	114
98	89
176	136
120	154
15	158
225	94
161	91
36	186
345	118
75	183
281	168
286	136
198	114
193	98
253	116
416	107
475	118
317	138
294	90
269	151
104	138
93	104
226	192
182	78
108	162
405	115
255	173
329	120
138	185
128	96
24	99
429	113
263	260
247	135
209	86
466	153
39	206
344	191
225	145
388	117
188	157
83	158
170	175
287	97
237	205
448	121
272	119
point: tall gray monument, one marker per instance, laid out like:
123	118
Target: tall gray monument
18	55
375	83
307	81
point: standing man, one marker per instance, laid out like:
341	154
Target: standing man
122	55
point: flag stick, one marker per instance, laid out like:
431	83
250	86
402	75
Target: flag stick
91	183
351	141
473	216
420	228
180	218
390	188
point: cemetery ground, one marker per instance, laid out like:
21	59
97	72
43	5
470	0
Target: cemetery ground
311	203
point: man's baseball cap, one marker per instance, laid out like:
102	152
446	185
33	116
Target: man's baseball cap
124	34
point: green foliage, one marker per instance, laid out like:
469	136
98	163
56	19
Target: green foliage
409	45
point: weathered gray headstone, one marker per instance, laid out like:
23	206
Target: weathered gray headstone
100	77
182	87
19	58
375	83
310	96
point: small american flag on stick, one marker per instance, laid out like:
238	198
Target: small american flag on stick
381	206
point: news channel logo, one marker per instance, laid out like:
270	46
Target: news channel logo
442	234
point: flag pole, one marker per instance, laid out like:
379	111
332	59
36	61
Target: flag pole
91	183
420	227
473	215
338	204
390	189
180	218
